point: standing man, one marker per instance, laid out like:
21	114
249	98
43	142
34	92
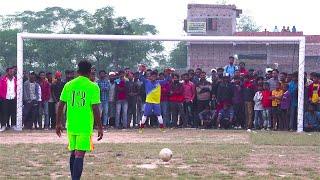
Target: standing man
230	69
82	98
189	93
51	103
121	101
273	82
56	89
8	94
133	92
31	99
104	92
45	97
203	90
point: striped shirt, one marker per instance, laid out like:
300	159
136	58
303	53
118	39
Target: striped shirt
104	89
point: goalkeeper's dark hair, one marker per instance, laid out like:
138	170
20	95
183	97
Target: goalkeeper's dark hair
84	67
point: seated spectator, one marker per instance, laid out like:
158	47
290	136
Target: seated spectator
311	119
225	117
207	117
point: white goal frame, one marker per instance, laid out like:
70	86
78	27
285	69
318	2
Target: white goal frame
293	39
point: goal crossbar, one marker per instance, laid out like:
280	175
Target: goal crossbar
94	37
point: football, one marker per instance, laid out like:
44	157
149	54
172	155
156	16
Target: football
165	154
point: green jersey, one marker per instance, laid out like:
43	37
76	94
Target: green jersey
79	95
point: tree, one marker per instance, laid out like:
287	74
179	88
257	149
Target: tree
63	54
8	48
178	56
247	24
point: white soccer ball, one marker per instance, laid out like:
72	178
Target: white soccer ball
165	154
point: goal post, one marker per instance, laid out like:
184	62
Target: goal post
300	40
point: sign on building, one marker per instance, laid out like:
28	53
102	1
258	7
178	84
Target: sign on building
197	27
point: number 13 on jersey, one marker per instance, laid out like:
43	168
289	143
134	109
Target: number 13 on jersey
78	98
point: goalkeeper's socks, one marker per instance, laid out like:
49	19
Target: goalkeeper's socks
77	168
71	162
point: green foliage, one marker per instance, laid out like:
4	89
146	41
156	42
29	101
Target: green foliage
62	54
247	24
178	56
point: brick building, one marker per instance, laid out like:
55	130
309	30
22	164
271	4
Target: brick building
220	20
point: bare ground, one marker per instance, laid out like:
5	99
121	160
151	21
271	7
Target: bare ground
126	154
132	136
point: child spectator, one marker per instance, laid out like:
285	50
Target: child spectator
276	99
266	103
225	117
314	91
311	119
258	108
285	109
207	117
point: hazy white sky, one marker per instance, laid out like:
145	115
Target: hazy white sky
168	15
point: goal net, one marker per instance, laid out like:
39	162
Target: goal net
287	54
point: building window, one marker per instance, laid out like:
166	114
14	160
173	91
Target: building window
252	56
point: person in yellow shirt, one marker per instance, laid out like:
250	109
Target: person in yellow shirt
276	99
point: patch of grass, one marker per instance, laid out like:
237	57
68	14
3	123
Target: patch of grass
121	160
285	138
197	155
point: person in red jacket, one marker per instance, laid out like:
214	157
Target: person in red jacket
45	97
8	94
164	100
176	99
266	104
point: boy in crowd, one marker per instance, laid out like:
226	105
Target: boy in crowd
314	91
258	108
266	103
276	99
285	109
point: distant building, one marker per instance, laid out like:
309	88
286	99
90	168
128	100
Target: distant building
220	20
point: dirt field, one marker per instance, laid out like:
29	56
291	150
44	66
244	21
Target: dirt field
208	154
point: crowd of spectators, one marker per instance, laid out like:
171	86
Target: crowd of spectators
231	97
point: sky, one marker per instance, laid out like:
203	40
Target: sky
168	15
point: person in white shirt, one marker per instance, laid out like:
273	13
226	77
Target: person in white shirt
258	108
8	93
